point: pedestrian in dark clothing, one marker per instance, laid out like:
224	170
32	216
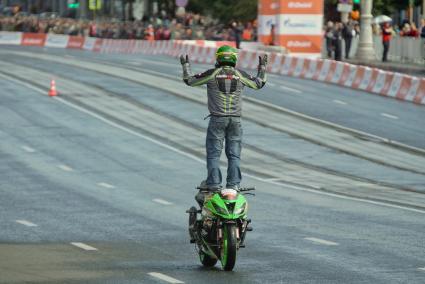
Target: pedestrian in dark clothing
347	34
337	41
329	38
237	34
386	39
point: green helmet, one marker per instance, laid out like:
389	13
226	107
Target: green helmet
226	55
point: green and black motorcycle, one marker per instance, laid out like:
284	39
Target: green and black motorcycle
221	227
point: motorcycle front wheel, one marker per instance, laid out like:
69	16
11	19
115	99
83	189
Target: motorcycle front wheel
228	247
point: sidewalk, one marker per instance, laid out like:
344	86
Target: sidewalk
400	67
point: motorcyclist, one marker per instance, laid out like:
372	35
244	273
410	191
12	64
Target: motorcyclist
224	88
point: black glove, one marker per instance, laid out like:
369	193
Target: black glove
262	61
183	59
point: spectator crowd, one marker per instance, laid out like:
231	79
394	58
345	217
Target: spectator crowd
336	33
187	27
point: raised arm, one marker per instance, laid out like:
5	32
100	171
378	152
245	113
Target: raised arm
259	81
194	80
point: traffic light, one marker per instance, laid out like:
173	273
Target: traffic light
73	4
95	4
356	1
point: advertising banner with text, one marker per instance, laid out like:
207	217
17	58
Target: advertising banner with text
294	24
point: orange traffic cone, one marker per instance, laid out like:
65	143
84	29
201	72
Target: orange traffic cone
52	91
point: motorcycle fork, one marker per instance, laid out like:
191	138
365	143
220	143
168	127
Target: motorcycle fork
244	227
219	230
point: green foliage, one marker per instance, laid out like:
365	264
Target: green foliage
331	2
388	7
226	10
383	7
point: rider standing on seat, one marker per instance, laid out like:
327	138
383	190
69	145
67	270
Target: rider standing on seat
224	88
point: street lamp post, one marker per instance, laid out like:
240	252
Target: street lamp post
365	51
83	9
423	9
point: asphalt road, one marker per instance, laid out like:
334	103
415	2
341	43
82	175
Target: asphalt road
75	178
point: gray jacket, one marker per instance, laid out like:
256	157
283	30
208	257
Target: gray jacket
224	87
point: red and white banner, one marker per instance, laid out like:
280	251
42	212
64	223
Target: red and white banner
384	83
294	24
33	39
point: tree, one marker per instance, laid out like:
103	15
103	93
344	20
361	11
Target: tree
380	7
388	7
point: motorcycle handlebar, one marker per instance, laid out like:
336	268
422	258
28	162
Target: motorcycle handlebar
247	188
240	190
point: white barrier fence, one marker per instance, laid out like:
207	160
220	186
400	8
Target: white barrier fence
403	49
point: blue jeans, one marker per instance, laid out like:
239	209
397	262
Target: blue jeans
220	129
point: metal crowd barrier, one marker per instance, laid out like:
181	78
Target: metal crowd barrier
402	49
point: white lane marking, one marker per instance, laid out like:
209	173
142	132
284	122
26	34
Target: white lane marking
28	149
83	246
421	268
162	201
193	157
290	89
65	168
26	223
322	242
165	278
339	102
315	186
105	185
389	115
271	84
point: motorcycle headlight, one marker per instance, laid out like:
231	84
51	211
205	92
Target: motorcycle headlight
240	210
221	210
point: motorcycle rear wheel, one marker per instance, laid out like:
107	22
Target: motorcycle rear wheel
229	247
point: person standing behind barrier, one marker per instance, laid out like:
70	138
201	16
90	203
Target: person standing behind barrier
413	31
150	33
337	41
329	38
347	34
237	34
386	39
247	32
272	40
